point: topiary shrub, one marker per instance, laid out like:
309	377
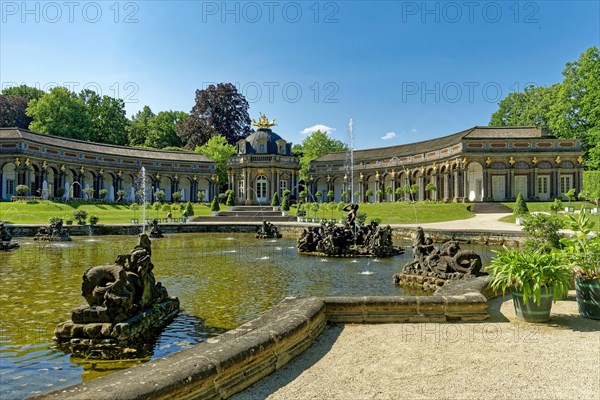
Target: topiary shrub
214	206
275	200
285	204
189	208
94	220
230	199
520	207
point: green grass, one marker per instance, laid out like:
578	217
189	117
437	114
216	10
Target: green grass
39	213
401	212
545	207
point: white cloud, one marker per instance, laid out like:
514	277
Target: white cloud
318	127
413	130
389	135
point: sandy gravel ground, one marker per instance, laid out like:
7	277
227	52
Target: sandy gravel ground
500	358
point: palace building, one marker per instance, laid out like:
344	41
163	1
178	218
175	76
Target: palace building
54	166
264	165
479	164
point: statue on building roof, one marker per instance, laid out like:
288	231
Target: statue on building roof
263	122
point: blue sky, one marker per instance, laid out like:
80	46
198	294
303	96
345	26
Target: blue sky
404	71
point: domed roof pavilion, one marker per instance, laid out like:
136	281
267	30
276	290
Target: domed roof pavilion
264	165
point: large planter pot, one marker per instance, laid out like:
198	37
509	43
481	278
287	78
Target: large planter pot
215	213
275	208
588	297
284	213
529	311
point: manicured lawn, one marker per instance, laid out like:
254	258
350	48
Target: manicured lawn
390	213
400	212
40	212
545	207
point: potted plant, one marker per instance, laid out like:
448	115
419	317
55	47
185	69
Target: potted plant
369	194
103	193
535	278
22	190
120	195
134	207
176	196
583	254
275	202
520	209
80	216
94	220
214	206
301	214
285	206
68	220
89	193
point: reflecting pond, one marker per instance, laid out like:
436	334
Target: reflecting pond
221	280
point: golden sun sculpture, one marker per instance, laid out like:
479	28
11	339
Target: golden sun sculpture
263	122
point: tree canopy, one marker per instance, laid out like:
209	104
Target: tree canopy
13	105
219	110
60	113
314	146
220	151
569	109
12	112
107	115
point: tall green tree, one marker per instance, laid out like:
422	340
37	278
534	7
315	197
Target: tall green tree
139	126
108	117
570	108
528	108
13	105
162	129
28	92
60	113
217	149
314	146
219	110
576	113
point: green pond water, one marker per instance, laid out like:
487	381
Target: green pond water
221	280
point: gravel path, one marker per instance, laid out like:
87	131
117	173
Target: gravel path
500	358
478	222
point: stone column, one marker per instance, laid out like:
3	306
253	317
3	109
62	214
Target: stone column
534	182
511	184
421	194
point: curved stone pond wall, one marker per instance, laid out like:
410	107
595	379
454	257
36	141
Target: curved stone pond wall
225	365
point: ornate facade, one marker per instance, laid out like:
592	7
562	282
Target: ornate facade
264	165
53	166
478	164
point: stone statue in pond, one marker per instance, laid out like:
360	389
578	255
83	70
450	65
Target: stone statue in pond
268	230
6	242
446	263
155	231
53	233
348	240
124	301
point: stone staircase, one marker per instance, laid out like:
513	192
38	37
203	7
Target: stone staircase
490	208
247	214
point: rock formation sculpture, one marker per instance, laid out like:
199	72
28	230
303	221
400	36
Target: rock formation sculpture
54	233
6	242
125	303
436	266
348	240
268	230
